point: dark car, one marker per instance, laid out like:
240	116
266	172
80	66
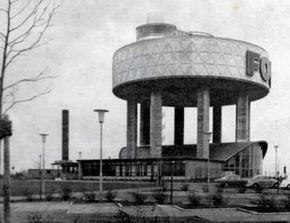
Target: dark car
231	180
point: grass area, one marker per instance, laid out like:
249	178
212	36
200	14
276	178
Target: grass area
23	187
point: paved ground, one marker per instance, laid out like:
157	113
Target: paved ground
65	212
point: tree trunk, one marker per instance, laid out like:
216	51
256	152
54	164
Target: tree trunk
6	186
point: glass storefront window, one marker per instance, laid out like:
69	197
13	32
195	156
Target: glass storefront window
246	163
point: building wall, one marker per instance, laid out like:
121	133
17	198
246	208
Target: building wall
198	169
36	173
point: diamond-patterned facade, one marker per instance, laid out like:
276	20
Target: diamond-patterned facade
186	56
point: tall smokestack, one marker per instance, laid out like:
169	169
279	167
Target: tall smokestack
65	134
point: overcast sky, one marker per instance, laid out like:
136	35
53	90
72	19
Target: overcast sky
81	44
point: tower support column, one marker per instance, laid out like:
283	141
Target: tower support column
131	128
155	123
217	124
243	117
145	123
179	126
203	102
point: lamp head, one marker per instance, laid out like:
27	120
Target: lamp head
101	113
43	137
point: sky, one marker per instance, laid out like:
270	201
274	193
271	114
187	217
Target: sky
80	45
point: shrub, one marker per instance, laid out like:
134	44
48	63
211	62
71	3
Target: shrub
258	189
28	194
287	202
110	195
37	218
266	203
242	189
139	197
138	218
218	200
219	188
193	199
205	188
89	197
66	192
160	197
49	197
184	187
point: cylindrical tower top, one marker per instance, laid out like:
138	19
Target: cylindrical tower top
180	62
155	27
154	30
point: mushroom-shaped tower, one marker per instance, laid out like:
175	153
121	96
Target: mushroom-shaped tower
170	67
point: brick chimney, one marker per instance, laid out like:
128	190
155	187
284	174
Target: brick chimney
65	135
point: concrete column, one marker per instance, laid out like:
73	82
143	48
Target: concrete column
243	118
179	126
155	124
131	128
203	102
145	124
217	124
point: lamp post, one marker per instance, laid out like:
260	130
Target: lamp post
79	167
159	165
171	184
208	134
101	113
43	139
40	175
276	160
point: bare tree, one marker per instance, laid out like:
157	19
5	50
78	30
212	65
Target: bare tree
24	23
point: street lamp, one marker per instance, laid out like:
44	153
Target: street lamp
79	166
171	184
101	113
43	138
159	165
276	160
208	134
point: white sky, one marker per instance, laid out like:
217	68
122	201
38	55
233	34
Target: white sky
81	45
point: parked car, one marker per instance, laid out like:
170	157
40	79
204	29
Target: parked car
231	180
285	184
261	181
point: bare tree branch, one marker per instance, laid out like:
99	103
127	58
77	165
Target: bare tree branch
37	78
15	102
21	38
2	38
28	16
15	1
2	35
35	43
31	47
22	9
3	10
